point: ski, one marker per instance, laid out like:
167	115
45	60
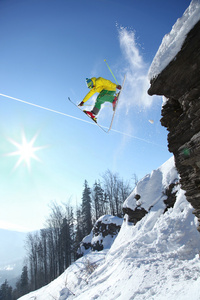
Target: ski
117	103
105	129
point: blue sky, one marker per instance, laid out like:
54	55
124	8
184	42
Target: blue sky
47	50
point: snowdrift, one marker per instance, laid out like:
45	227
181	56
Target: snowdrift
158	258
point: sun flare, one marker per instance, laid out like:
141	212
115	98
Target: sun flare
25	150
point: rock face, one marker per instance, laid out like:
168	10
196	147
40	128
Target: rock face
179	82
135	215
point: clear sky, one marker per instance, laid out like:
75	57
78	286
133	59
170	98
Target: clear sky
47	49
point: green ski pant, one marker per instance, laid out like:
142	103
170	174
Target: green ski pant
104	96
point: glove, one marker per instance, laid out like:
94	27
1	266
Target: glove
81	103
119	87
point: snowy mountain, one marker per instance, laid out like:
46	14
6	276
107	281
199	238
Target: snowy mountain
158	258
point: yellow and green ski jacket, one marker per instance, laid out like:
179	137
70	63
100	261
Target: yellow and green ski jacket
100	84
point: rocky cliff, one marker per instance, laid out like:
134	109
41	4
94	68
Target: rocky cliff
179	82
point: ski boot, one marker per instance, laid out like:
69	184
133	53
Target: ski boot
114	103
90	114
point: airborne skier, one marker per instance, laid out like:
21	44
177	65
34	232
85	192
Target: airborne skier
106	90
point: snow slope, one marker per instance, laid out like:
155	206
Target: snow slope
158	258
173	41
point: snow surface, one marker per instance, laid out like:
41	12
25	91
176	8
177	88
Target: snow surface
157	259
172	42
109	219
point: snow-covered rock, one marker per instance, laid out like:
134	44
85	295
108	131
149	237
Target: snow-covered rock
179	84
150	192
102	235
173	41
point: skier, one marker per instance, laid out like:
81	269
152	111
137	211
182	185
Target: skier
106	90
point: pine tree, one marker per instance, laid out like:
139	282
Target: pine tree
98	200
86	210
79	229
24	284
5	291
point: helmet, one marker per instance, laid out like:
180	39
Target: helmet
89	83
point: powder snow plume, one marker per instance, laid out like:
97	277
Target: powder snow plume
136	71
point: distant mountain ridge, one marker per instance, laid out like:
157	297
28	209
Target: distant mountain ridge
12	255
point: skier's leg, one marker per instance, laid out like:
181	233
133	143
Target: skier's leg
104	96
95	110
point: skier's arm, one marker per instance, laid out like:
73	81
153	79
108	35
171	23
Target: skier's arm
89	95
106	84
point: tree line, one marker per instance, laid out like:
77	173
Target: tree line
52	249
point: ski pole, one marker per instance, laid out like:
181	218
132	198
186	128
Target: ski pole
110	71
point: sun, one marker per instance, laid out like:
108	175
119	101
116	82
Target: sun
25	150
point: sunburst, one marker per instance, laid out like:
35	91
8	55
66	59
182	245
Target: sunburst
25	150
